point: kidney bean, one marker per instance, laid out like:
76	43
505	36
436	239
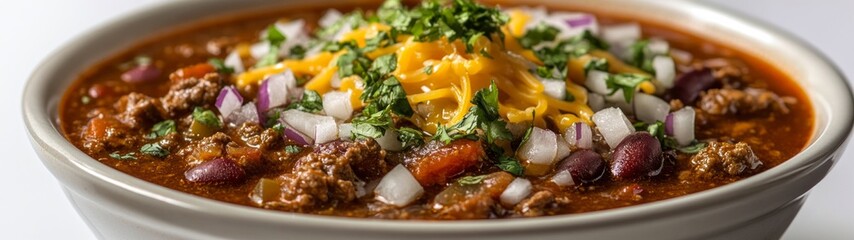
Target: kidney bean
638	155
217	170
689	85
585	166
140	74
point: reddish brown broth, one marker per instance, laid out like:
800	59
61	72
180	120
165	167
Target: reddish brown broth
790	132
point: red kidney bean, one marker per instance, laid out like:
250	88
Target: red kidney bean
140	74
638	155
585	166
688	86
99	90
217	170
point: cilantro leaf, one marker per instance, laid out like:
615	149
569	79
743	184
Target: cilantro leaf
117	156
220	66
640	56
206	117
410	137
600	64
274	36
161	129
372	123
511	165
487	100
627	82
293	149
428	69
539	34
471	180
297	52
311	102
154	149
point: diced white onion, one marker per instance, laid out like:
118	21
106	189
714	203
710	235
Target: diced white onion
295	34
621	33
345	131
234	62
519	189
658	46
619	100
683	125
613	125
665	71
597	82
595	101
398	187
389	141
650	109
337	104
304	122
579	135
562	149
259	49
326	130
330	17
563	179
541	147
555	89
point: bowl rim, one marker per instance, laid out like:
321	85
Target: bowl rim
38	121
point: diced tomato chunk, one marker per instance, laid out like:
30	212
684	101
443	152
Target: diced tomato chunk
444	163
194	71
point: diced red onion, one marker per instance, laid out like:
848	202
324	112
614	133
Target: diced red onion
345	131
518	190
649	108
613	125
141	74
563	179
389	141
597	82
579	135
247	113
217	170
398	187
233	61
274	90
297	137
572	24
665	71
680	125
337	104
541	147
554	88
228	101
622	33
321	128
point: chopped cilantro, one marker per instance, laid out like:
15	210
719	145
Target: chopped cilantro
410	137
311	102
297	52
220	66
353	62
600	64
154	149
428	69
273	116
275	39
351	20
511	165
463	20
657	130
627	82
381	40
471	180
128	156
161	129
555	58
640	56
206	117
485	53
539	34
692	148
372	123
274	36
384	64
293	149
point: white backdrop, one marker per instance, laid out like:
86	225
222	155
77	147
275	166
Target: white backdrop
34	207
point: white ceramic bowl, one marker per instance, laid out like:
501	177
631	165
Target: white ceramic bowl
119	206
